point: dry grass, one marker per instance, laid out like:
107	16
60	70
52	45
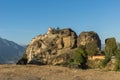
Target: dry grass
32	72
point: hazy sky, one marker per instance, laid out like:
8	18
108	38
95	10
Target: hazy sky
21	20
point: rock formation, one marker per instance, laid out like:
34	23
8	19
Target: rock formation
57	46
87	37
52	46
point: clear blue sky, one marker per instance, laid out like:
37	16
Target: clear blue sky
21	20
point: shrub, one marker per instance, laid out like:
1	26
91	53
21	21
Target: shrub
110	50
80	58
23	60
106	60
117	64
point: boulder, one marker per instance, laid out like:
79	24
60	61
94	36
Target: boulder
88	37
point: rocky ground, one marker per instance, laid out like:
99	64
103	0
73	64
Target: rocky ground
32	72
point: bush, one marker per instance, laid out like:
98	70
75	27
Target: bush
23	60
106	60
117	64
80	58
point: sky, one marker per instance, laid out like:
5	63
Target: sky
22	20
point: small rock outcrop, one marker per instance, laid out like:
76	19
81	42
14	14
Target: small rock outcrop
88	37
52	47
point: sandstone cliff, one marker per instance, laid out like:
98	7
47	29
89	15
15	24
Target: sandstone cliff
52	47
57	46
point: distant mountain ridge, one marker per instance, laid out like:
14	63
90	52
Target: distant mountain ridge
102	46
9	51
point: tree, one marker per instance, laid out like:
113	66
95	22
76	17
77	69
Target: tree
106	60
92	48
117	64
80	57
110	50
117	57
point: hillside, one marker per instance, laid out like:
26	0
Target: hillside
32	72
9	51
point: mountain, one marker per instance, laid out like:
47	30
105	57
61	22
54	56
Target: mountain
102	46
10	51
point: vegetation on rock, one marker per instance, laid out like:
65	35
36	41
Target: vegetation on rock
111	46
110	49
117	64
92	48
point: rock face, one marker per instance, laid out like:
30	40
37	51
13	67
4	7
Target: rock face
88	37
52	47
57	46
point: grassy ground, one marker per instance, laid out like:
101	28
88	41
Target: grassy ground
32	72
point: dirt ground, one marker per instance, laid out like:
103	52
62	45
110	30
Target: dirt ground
32	72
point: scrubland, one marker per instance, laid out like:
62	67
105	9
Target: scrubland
34	72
